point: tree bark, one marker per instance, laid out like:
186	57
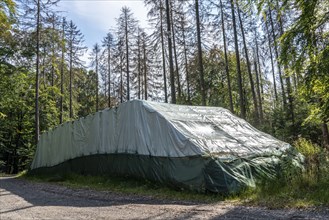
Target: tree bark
179	91
62	74
163	55
145	69
252	86
239	76
272	62
171	65
127	56
37	123
226	59
277	60
186	62
200	62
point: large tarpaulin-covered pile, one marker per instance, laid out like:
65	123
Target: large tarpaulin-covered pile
194	147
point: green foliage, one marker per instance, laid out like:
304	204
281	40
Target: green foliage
296	187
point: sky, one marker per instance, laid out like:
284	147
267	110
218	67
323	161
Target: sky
95	18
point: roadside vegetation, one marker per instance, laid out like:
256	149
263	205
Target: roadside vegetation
293	188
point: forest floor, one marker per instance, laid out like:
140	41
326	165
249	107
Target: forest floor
24	199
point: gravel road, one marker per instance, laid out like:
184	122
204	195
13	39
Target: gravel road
22	199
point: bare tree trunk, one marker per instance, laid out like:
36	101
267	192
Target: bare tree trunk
171	65
145	70
37	125
259	82
163	55
252	86
237	54
62	74
97	98
139	66
175	53
272	62
226	59
277	60
200	63
71	80
121	79
186	63
127	57
109	75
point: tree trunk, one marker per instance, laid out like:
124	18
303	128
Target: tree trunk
288	82
186	62
252	86
239	76
109	74
121	79
226	59
277	60
145	70
175	54
62	74
272	62
163	55
139	66
171	65
127	56
200	62
37	125
71	80
97	98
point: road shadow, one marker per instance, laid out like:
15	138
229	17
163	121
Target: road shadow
47	194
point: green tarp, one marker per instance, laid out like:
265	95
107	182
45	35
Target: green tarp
199	148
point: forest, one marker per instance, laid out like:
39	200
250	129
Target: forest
266	61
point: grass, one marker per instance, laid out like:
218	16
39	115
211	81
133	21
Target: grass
128	186
298	193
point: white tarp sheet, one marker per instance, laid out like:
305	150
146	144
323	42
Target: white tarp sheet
155	129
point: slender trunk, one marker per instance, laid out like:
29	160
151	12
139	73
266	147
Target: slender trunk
226	59
260	106
277	60
238	67
186	62
139	67
121	79
71	80
171	65
145	70
109	74
251	80
53	57
202	83
272	62
175	53
37	125
259	73
62	74
96	72
163	55
288	82
127	57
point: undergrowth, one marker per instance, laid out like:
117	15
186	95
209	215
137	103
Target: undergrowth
127	185
299	188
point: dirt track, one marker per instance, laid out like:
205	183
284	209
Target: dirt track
21	199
